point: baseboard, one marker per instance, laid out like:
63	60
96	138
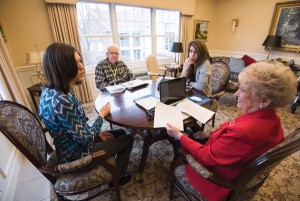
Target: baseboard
10	182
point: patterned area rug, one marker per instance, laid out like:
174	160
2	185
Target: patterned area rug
282	184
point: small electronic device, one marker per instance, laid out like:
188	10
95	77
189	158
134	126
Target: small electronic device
172	90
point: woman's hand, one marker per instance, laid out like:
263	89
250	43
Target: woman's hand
173	131
105	110
187	63
105	136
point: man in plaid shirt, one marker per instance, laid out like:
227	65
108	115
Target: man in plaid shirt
111	71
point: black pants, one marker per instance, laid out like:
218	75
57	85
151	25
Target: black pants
176	144
119	146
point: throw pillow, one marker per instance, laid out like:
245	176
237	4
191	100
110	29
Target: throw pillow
248	60
236	64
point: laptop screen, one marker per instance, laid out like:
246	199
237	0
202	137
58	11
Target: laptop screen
172	90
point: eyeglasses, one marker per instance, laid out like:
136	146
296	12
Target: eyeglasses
112	53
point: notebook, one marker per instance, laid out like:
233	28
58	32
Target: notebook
172	91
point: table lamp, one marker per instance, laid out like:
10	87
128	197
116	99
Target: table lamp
176	48
36	58
271	41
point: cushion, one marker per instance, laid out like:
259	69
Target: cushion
248	60
236	64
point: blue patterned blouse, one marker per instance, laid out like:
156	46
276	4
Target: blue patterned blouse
66	121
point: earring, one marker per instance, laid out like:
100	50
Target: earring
261	106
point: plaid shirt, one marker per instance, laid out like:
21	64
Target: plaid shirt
105	74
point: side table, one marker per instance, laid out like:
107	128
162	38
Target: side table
174	70
35	91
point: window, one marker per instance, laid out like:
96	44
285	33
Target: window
129	27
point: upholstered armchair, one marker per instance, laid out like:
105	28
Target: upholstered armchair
250	179
82	179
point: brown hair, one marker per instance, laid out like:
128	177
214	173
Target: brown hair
59	66
202	53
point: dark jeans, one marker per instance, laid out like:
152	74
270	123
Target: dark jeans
119	146
176	144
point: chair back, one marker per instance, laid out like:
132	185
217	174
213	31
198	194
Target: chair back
257	171
22	128
152	67
219	76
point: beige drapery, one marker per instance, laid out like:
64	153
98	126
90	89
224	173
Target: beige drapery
185	21
14	90
63	20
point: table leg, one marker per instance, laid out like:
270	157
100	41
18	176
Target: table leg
149	138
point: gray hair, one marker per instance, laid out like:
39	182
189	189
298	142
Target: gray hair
110	46
272	81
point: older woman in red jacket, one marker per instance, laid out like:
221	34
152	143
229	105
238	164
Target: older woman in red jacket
263	87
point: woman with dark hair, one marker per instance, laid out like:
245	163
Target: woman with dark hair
197	67
64	116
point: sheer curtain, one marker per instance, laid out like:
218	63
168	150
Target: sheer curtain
63	20
185	21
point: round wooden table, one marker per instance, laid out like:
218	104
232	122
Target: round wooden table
126	113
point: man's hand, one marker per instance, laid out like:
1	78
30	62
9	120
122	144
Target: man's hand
104	135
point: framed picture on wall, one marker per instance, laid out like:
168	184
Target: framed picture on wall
286	23
201	30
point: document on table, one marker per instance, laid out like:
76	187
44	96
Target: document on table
115	88
147	103
198	112
167	114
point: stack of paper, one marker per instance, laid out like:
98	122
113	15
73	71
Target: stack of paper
126	85
173	114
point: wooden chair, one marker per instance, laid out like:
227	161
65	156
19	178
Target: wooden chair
153	69
86	177
219	79
250	179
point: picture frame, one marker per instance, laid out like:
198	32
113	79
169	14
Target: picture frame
285	23
201	30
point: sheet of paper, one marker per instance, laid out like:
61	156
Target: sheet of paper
198	112
147	102
134	83
167	114
115	88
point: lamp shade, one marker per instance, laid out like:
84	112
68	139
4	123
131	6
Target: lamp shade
34	57
272	41
176	47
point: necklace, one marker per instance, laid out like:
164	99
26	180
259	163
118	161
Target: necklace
114	72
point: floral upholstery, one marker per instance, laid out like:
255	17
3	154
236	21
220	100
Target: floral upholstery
226	60
263	173
75	183
25	129
182	179
219	76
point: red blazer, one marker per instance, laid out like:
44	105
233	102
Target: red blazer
231	147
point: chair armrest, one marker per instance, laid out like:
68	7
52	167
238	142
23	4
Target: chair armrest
162	68
204	172
83	163
217	96
157	74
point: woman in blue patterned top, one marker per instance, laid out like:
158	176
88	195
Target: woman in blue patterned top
64	116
